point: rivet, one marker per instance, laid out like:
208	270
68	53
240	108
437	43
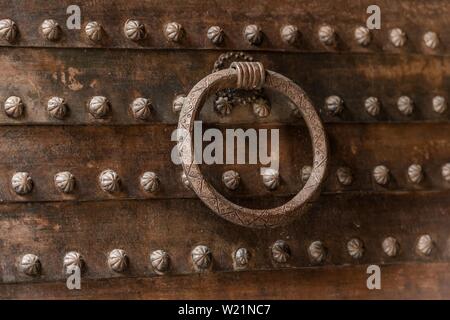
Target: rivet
334	105
241	258
344	176
431	39
253	34
14	107
305	173
445	171
178	103
405	105
415	173
261	107
355	248
397	37
215	35
118	260
94	31
280	251
289	34
174	31
362	35
141	108
372	106
424	245
223	105
73	259
109	181
271	178
134	30
50	30
22	183
150	181
327	35
160	261
8	30
316	251
99	107
231	179
30	264
57	107
381	174
390	246
64	181
439	104
201	257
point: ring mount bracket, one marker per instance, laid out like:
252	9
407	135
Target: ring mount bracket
250	75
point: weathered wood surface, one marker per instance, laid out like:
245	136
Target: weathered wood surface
86	151
414	17
35	75
92	222
403	281
49	230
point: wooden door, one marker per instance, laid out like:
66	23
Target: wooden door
86	138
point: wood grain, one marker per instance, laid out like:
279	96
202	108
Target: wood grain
49	230
405	281
414	17
35	75
92	222
131	150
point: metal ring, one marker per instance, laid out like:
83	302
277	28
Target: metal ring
257	218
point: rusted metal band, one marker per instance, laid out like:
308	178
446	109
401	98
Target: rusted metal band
250	75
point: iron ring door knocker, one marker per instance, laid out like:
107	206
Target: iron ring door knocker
251	75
